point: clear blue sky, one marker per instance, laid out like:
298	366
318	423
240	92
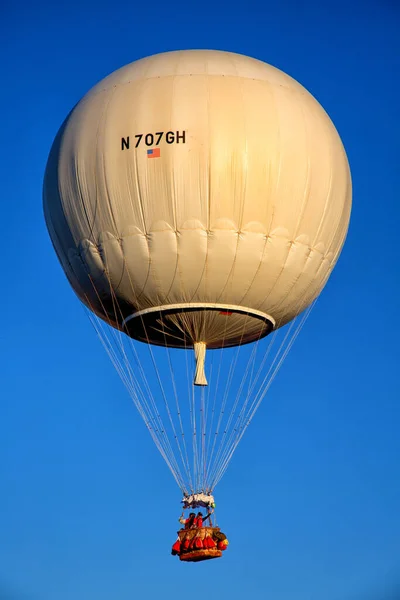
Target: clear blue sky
87	507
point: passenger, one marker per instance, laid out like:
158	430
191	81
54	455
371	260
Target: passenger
190	522
199	519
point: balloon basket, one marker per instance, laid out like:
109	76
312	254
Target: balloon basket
196	554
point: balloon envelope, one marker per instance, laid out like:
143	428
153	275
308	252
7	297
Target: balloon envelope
197	196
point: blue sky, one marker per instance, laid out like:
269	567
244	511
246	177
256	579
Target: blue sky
87	507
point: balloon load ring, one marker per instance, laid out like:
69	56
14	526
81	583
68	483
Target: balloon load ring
200	500
245	325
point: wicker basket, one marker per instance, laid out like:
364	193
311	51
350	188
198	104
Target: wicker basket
198	554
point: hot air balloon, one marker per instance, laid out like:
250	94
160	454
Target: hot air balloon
198	202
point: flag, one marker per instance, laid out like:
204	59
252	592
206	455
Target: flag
153	153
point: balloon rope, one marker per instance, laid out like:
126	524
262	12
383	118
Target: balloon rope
190	392
112	347
249	365
185	464
232	370
268	379
251	384
115	339
166	405
214	435
143	410
202	441
184	454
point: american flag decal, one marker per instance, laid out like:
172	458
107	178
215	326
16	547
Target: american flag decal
153	153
